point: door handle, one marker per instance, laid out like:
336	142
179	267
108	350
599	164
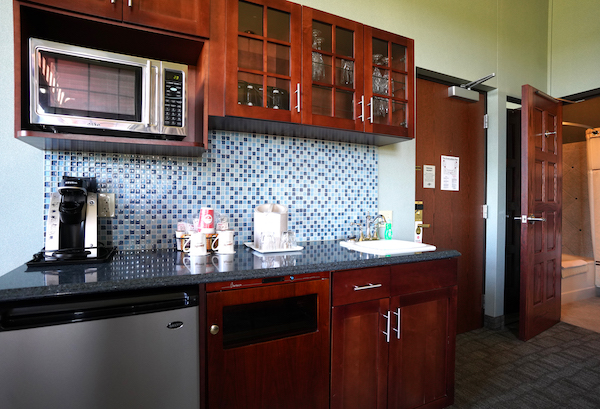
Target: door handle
531	219
422	226
362	108
387	326
397	329
297	92
366	287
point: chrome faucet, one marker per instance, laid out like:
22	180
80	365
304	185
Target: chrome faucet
376	224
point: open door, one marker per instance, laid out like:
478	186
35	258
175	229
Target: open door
541	212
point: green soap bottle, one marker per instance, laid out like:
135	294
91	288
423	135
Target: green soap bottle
388	231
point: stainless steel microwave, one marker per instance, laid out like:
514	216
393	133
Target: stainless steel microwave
80	90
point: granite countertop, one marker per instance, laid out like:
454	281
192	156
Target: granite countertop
134	270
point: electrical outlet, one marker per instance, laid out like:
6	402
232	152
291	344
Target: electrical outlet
106	205
387	214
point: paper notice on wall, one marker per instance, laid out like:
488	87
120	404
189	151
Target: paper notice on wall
428	177
449	175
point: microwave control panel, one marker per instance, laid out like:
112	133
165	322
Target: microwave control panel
173	108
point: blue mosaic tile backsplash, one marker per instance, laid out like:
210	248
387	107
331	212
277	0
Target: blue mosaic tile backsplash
325	185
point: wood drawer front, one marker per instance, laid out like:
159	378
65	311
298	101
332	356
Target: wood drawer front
424	276
353	286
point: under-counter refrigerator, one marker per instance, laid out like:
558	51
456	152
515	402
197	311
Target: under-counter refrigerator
134	351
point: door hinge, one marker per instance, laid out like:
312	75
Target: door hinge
486	121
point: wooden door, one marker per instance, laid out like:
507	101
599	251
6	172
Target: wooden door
541	212
359	355
182	16
99	8
421	366
332	78
268	347
448	126
264	54
389	71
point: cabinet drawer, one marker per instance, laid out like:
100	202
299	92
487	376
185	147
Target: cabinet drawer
360	285
430	275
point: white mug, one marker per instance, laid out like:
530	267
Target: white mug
223	244
195	244
223	262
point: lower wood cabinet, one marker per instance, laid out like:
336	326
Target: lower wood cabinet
268	346
393	336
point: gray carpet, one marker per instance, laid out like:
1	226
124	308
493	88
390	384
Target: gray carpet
559	368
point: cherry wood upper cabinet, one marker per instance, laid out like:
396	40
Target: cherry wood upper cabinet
389	83
182	16
263	46
332	79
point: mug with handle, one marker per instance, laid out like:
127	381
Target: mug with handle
223	244
195	245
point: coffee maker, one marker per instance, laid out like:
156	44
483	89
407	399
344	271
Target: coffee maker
72	225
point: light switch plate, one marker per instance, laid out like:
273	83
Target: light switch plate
106	205
387	214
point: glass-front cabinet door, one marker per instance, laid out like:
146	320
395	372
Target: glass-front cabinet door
264	59
332	78
389	83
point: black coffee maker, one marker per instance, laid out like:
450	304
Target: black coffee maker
72	225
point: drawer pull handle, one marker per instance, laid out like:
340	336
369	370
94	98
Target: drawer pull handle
367	287
388	319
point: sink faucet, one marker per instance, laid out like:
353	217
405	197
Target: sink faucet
376	224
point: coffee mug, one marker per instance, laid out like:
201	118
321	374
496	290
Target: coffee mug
223	262
195	245
223	244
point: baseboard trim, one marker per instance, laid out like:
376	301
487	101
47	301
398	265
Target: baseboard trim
493	323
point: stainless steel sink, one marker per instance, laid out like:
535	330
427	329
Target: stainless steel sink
387	247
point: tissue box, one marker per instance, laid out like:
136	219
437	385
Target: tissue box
270	218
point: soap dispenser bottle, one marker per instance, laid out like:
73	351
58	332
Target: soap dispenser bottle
388	231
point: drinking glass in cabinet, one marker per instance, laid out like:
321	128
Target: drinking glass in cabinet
346	74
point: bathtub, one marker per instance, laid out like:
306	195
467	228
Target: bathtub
578	278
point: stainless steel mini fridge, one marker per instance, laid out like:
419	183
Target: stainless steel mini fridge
94	352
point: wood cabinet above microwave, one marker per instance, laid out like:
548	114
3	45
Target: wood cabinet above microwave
182	16
295	71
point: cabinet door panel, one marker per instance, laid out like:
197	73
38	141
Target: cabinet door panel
389	74
263	59
100	8
184	16
332	79
359	356
422	355
266	353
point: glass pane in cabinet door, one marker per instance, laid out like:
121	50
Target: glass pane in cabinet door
399	114
398	85
321	36
381	81
321	100
381	111
250	18
344	42
250	53
398	57
344	73
344	104
278	59
250	89
380	52
321	68
278	25
278	93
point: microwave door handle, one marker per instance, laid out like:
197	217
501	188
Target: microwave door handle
148	95
155	98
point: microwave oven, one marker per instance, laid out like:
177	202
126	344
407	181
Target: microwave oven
81	90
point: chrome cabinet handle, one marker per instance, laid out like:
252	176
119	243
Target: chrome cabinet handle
397	329
113	1
297	92
371	110
366	287
387	332
524	219
130	3
362	108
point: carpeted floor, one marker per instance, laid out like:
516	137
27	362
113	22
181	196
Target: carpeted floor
559	368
